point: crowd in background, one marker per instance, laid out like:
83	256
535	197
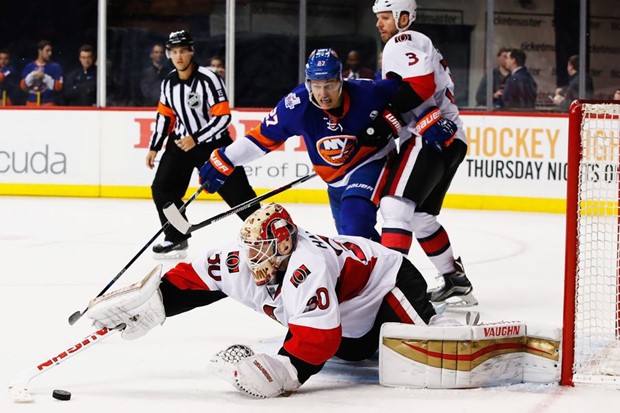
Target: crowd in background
44	82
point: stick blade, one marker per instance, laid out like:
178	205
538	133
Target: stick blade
176	219
73	318
19	393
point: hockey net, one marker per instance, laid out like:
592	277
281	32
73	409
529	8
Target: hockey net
591	342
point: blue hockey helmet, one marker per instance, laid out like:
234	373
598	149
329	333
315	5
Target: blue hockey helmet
323	64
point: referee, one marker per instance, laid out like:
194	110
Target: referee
194	114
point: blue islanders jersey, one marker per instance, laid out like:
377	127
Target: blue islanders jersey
330	140
47	95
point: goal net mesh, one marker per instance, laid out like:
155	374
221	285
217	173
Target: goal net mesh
597	298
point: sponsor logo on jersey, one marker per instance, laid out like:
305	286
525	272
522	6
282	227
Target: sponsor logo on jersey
300	275
402	37
361	185
194	100
232	262
291	100
336	150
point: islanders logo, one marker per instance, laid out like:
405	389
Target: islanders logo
336	150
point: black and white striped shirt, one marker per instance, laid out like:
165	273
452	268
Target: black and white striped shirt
197	107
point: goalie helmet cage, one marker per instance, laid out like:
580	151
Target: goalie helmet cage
591	334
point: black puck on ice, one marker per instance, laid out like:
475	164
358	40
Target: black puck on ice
61	395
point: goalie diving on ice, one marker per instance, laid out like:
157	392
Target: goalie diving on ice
340	296
333	294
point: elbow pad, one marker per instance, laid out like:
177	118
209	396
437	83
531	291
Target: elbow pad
406	99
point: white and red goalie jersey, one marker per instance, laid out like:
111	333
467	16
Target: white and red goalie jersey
332	288
412	56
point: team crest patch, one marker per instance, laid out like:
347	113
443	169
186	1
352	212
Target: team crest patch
291	100
194	100
232	262
270	311
336	150
300	275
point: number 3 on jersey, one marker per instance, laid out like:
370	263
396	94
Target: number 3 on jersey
413	59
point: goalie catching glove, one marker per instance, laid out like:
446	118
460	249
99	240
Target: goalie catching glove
139	306
437	131
384	127
215	171
257	375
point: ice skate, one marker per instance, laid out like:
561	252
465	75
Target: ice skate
456	289
169	250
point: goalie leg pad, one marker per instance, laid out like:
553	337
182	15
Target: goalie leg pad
139	306
467	356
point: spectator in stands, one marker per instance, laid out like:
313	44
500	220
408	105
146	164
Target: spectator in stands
8	80
216	65
354	69
81	84
565	95
152	76
42	79
500	74
617	94
378	75
520	89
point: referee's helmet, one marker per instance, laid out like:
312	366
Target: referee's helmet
180	38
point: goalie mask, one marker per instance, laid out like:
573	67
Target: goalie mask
397	7
268	237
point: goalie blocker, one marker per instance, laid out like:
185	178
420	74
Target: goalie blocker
451	357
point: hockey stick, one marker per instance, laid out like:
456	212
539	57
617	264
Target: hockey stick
182	225
18	387
78	314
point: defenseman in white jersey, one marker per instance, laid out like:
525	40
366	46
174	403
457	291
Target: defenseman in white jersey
431	148
333	295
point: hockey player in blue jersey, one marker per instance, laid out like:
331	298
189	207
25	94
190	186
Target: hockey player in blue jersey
329	114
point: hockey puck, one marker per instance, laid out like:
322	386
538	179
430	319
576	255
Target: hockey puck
61	395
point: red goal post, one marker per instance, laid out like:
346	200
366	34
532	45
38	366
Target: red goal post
591	333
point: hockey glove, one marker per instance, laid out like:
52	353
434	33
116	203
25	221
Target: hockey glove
437	131
257	375
381	129
215	171
139	306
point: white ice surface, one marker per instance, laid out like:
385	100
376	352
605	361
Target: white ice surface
57	253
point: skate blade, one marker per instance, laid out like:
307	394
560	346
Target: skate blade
171	255
461	301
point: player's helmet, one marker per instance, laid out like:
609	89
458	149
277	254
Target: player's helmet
180	38
268	237
396	7
323	64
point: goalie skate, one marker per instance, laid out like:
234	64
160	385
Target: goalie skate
456	289
168	250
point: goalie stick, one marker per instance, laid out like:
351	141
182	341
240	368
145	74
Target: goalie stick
182	225
73	318
18	387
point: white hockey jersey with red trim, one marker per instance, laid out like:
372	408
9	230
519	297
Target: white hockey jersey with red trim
412	56
330	283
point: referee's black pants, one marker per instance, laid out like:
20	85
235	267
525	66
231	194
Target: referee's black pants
173	178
